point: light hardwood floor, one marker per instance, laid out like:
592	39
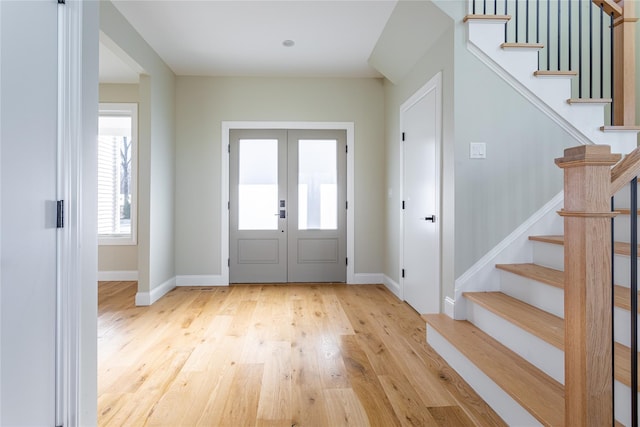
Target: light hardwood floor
274	355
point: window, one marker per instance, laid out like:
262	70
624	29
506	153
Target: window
117	174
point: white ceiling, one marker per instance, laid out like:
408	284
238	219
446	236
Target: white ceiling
244	38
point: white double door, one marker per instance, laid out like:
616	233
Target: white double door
287	208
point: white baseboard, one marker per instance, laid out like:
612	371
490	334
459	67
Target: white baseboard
117	276
392	286
367	279
148	298
201	280
449	307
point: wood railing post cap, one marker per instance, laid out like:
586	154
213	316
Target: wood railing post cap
588	154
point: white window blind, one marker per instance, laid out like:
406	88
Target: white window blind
117	171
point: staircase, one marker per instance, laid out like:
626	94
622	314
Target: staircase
511	347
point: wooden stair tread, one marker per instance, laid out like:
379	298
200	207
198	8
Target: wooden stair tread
538	322
533	46
486	18
538	393
589	101
622	365
547	275
625	211
544	325
552	73
620	128
555	278
621	248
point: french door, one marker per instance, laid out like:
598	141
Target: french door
287	206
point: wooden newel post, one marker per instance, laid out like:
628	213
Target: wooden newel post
587	280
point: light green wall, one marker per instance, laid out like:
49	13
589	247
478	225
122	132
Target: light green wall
438	59
156	152
204	102
118	257
483	201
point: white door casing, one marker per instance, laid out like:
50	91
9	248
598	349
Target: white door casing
420	121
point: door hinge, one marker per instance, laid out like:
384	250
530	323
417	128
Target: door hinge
403	136
228	148
403	204
60	214
346	148
228	262
346	261
403	273
228	206
346	205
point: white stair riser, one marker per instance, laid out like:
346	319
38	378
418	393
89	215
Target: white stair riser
507	408
540	295
552	256
622	269
623	403
621	198
539	353
622	229
622	327
548	255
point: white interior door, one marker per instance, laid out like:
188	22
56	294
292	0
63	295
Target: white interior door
421	123
28	134
287	209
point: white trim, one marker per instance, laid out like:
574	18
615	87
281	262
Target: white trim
69	188
117	276
125	109
148	298
392	285
367	279
449	307
224	181
434	84
483	276
201	280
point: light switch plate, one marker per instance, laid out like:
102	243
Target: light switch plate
477	150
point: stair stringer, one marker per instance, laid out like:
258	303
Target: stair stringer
483	276
549	95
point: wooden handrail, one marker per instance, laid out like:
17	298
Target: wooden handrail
610	6
624	171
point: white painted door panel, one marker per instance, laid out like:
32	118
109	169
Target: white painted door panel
28	153
421	215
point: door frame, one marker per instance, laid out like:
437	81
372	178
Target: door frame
348	127
434	83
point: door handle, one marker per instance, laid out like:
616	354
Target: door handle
431	218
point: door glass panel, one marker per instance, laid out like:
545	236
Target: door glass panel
317	185
258	184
